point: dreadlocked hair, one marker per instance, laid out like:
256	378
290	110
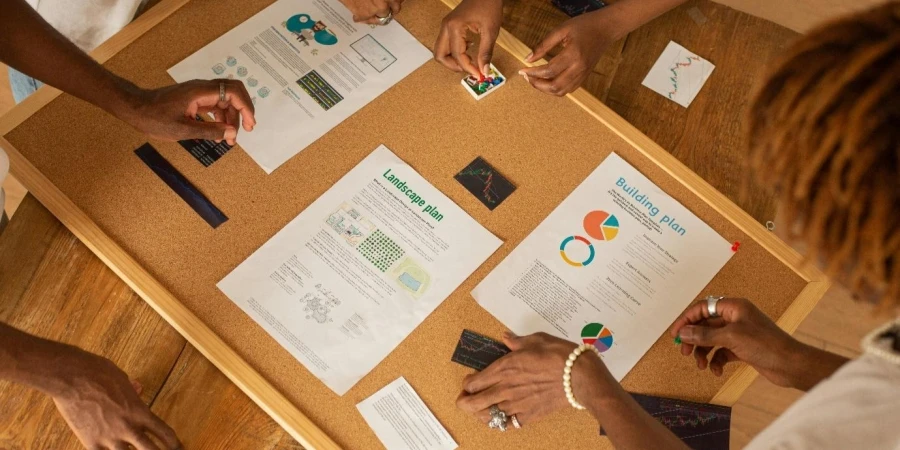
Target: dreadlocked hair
824	131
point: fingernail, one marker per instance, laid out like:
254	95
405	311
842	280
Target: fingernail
686	332
486	70
528	58
230	134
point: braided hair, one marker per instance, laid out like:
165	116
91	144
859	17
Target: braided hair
824	131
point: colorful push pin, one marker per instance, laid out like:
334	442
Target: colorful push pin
496	81
677	340
736	246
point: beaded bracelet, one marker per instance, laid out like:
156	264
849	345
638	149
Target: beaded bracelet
567	373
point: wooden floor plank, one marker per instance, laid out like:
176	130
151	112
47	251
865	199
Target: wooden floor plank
707	136
227	414
71	296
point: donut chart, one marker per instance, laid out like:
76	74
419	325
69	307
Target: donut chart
597	335
601	225
569	261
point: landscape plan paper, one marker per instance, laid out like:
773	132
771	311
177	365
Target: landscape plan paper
308	67
615	264
343	283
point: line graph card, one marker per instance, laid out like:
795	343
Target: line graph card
678	74
485	183
700	426
477	351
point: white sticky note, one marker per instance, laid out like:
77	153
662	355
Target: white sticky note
401	420
678	74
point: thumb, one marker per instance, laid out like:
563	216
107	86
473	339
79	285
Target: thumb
486	51
550	41
512	341
703	336
212	131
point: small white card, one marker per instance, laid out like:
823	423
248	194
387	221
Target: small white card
402	421
678	74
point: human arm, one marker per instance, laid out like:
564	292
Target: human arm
528	383
744	333
94	396
583	40
30	45
482	17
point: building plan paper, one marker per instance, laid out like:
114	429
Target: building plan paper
678	74
614	264
308	67
350	277
401	420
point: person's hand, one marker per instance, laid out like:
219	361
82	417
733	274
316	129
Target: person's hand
583	40
482	17
369	11
102	406
527	382
741	333
169	113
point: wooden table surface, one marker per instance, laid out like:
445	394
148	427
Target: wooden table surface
54	287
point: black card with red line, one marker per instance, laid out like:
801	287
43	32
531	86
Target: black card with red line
485	183
477	351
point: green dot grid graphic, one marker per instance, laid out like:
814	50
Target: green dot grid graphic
380	250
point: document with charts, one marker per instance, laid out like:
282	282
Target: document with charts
614	264
308	67
341	285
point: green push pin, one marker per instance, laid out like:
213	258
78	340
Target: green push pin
677	340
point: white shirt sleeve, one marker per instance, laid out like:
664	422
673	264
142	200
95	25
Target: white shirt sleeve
856	408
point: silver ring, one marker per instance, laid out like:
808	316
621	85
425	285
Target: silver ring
221	91
515	422
498	418
386	19
711	302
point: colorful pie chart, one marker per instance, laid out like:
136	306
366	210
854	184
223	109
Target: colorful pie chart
601	225
597	335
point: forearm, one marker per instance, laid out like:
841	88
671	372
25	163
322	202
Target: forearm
629	15
29	44
809	366
626	424
32	361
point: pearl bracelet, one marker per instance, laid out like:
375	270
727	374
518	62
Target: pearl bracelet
567	373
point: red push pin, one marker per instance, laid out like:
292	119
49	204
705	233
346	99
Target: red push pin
736	246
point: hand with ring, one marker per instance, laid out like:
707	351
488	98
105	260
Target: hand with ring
169	112
738	331
373	12
527	383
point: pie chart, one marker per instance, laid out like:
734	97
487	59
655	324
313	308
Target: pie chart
597	335
601	225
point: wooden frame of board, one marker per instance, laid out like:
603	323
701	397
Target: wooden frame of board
246	377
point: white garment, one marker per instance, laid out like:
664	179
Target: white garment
87	23
858	407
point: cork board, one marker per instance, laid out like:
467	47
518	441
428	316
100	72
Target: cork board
545	145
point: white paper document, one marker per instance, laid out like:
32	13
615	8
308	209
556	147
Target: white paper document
308	67
614	264
342	284
678	74
401	420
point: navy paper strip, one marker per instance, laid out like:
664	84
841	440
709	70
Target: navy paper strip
172	177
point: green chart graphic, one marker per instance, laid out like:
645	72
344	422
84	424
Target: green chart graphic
380	250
